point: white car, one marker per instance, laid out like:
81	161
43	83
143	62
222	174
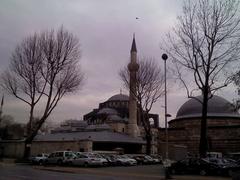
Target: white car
84	159
39	159
125	160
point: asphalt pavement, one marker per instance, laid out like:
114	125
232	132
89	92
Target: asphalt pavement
12	171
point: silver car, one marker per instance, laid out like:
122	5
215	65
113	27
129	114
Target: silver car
87	160
39	159
125	160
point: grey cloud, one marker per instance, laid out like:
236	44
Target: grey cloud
105	30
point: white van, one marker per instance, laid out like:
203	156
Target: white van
59	157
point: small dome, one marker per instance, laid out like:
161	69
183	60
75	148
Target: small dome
119	97
107	111
217	107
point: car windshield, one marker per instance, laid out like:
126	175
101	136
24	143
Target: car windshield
217	161
92	156
124	156
98	156
68	154
148	157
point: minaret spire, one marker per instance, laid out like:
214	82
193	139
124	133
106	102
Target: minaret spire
134	47
133	67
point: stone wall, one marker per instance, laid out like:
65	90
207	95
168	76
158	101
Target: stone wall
48	147
195	122
15	149
223	134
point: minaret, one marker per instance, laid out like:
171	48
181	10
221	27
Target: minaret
133	67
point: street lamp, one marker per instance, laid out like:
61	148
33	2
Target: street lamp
165	57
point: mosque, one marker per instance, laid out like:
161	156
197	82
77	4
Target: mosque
223	123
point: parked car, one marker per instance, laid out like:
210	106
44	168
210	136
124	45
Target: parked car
202	167
150	160
85	159
157	159
125	160
227	166
60	157
139	158
112	160
39	159
144	159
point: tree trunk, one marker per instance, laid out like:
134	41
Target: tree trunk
28	142
31	136
27	149
203	137
148	143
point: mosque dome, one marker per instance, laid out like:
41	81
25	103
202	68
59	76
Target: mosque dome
119	97
107	111
217	107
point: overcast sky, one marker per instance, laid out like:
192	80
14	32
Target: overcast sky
105	29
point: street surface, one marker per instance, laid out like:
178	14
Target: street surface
148	172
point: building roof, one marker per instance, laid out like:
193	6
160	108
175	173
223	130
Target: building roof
119	97
107	111
98	127
98	136
217	107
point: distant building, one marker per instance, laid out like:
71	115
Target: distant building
70	126
223	126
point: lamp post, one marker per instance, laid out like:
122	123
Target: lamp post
165	57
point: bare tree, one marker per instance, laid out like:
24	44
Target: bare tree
205	43
44	68
149	88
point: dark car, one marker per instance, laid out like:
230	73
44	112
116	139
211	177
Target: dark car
203	167
185	166
225	166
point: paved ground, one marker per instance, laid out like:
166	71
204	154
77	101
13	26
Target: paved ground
11	171
135	172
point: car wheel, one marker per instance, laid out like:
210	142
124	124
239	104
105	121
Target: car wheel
173	171
40	162
230	172
59	162
203	172
45	162
85	164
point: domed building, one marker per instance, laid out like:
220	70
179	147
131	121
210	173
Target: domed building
115	113
223	124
